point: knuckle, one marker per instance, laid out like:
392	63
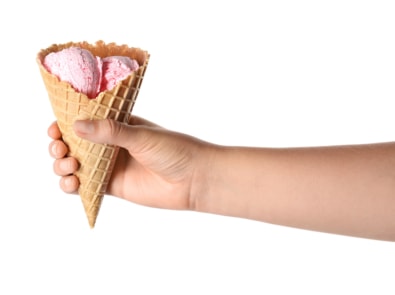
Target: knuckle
113	129
56	167
65	166
57	149
69	184
73	164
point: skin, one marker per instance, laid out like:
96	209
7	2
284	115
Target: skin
347	190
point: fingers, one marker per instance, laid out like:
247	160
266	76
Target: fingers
54	131
69	184
99	131
65	166
107	132
58	149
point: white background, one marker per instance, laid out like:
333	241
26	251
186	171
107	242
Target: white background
260	73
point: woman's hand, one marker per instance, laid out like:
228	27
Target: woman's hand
155	167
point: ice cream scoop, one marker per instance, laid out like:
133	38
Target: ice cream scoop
77	66
115	69
87	73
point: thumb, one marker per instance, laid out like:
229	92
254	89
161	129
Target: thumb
105	131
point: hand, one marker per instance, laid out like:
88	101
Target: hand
155	167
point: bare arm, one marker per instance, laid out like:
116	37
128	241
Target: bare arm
346	190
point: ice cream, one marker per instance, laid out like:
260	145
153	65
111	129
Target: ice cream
96	161
87	73
115	69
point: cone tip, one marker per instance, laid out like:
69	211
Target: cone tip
92	221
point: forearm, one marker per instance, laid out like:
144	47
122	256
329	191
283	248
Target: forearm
345	190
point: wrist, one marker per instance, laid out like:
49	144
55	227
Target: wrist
204	176
231	182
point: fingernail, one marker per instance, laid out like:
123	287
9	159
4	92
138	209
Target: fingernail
84	126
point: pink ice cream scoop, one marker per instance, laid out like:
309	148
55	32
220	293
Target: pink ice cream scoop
86	73
78	67
115	69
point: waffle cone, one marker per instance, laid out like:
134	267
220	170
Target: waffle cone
96	161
